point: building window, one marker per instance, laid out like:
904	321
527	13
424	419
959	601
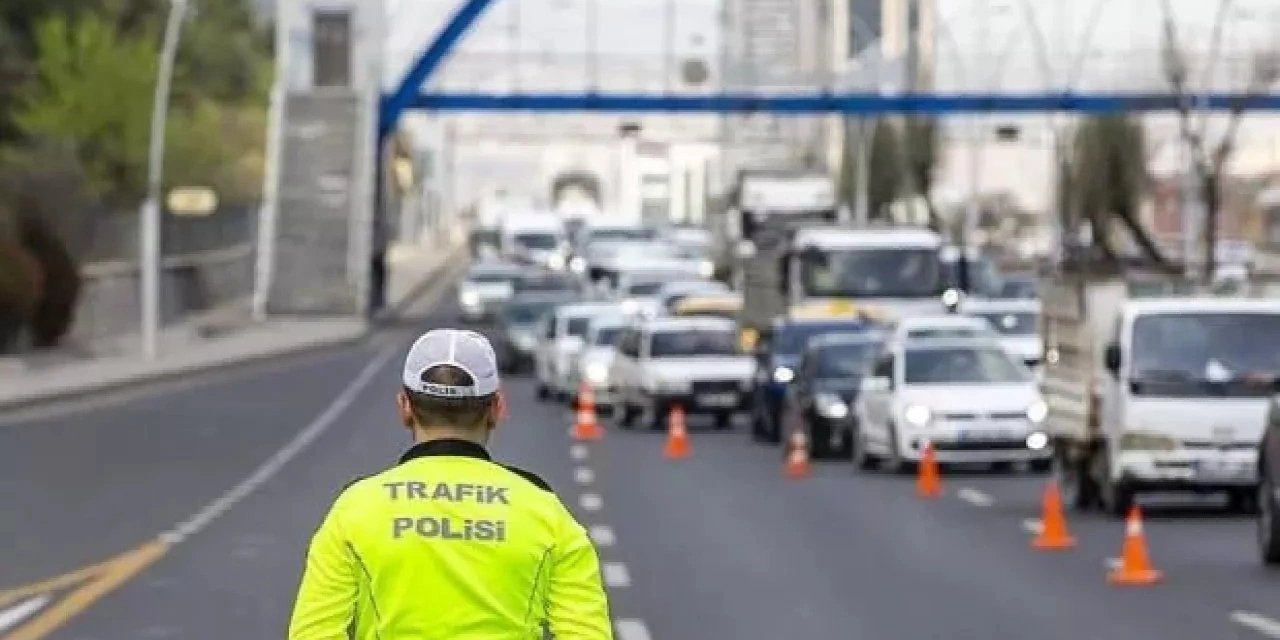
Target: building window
332	53
864	25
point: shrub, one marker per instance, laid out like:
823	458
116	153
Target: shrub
54	312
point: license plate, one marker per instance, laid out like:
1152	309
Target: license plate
1219	470
718	400
981	435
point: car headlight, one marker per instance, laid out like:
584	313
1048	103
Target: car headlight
578	265
630	305
596	373
525	341
917	415
1037	440
555	261
783	375
1146	441
1037	412
830	405
706	268
470	299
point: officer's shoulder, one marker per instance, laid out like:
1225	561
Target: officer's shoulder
532	477
352	483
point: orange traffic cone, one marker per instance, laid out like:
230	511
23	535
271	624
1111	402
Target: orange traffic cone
1135	565
798	456
586	427
678	446
1053	531
928	482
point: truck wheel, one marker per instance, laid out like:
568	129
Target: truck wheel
1268	526
543	391
625	414
1116	495
1078	488
1243	501
724	421
655	416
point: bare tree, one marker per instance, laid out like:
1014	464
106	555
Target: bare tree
1209	157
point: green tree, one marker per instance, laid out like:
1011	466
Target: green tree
1106	180
884	168
93	88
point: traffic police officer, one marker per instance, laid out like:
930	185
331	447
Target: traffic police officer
449	544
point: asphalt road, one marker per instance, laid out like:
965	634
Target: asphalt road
719	546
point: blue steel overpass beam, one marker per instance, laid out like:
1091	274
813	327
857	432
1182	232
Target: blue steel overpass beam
394	104
849	103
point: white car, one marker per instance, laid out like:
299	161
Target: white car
695	363
486	287
1018	323
966	396
596	358
562	337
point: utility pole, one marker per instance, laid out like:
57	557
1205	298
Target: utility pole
150	216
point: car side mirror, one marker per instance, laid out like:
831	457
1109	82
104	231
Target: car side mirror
1111	358
874	385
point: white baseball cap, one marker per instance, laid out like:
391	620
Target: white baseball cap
466	350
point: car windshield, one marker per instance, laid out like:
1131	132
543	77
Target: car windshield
527	312
606	336
1013	323
606	235
537	240
693	342
1018	288
888	273
492	276
1203	354
643	288
792	339
578	326
844	360
962	365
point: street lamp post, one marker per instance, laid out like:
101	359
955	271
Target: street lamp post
150	263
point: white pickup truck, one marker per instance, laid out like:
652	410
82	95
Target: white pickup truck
1164	393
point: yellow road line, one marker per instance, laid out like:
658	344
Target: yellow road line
98	580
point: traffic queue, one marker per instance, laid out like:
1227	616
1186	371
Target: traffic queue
1114	394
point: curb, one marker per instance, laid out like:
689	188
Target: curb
356	335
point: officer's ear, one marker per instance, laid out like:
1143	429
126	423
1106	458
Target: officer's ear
498	413
406	409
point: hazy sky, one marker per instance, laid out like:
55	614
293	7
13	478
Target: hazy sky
632	29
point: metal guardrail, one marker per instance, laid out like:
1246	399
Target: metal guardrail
213	257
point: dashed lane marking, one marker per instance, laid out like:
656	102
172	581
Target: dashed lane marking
591	501
602	535
975	497
616	575
1033	526
1257	622
579	452
9	618
583	475
633	629
1112	563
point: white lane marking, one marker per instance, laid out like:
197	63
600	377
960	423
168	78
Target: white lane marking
579	452
200	519
633	629
616	575
591	501
1033	525
975	497
12	616
603	536
1258	622
1112	563
583	475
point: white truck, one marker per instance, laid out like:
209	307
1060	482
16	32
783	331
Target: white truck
535	238
1159	393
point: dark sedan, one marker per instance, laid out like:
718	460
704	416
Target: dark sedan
779	355
820	399
518	324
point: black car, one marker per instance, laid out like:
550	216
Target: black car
778	354
1269	474
820	399
517	337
